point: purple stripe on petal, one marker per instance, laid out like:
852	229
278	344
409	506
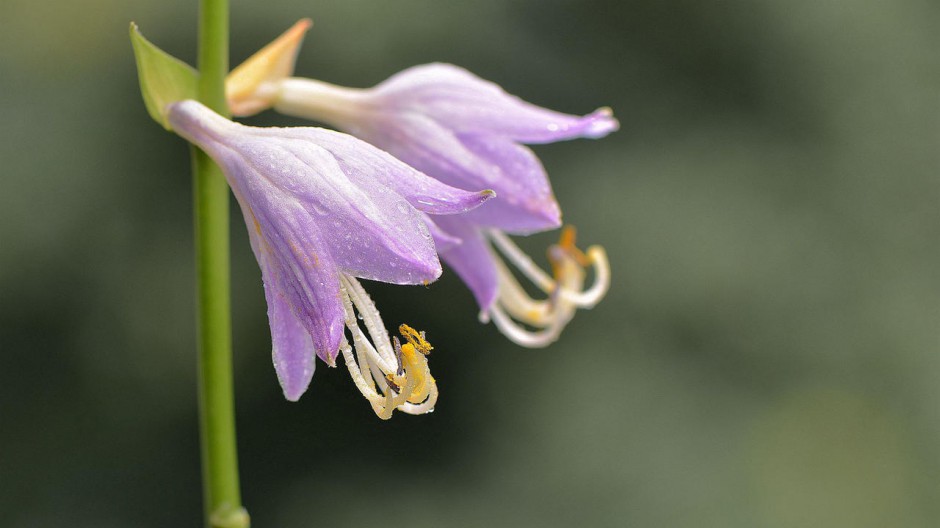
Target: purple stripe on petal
293	349
422	192
371	231
296	266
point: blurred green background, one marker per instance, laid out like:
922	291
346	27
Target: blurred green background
768	355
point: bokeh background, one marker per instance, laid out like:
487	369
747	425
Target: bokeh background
768	355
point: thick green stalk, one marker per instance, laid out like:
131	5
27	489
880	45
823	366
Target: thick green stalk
211	203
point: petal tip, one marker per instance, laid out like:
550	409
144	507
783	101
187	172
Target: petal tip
485	300
327	346
480	198
600	123
434	272
292	385
329	357
293	394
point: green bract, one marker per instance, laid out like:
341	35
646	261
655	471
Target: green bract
164	79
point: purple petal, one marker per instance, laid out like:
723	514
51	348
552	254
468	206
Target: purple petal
371	231
305	280
530	205
524	202
442	240
422	192
471	105
293	349
472	260
301	197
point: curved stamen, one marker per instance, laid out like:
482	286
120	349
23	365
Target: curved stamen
370	316
522	261
566	292
566	249
389	375
521	336
517	302
366	388
597	257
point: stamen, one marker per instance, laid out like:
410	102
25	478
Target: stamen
517	302
370	315
526	338
565	291
389	374
415	339
522	261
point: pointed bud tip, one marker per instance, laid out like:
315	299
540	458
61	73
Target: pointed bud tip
302	25
247	87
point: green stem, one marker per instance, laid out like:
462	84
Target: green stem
211	203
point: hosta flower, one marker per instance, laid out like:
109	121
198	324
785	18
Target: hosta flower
468	133
323	208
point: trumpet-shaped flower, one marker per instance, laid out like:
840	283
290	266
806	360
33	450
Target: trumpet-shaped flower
323	208
469	133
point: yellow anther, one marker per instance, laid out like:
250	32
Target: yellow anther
415	339
567	243
392	376
417	368
566	249
413	374
568	235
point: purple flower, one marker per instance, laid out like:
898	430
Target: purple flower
323	208
468	133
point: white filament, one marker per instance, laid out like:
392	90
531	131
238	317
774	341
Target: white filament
565	293
374	360
522	261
